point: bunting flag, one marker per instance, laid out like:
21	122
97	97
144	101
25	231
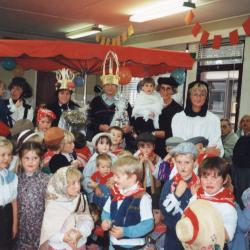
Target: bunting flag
189	17
196	29
217	41
234	37
204	37
246	26
116	40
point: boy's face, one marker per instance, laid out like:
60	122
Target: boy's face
68	147
185	165
116	136
158	217
104	168
211	182
73	188
124	181
64	96
103	147
148	88
44	124
146	148
5	157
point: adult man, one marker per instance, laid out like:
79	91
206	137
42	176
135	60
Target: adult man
228	137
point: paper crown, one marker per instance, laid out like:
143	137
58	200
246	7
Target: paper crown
65	79
112	77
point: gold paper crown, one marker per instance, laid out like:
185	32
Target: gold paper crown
111	77
65	79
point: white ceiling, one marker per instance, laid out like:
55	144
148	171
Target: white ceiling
53	18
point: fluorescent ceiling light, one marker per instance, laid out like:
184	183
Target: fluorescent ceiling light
84	32
162	9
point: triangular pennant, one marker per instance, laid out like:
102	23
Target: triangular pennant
204	37
217	41
189	17
107	41
246	26
118	40
196	29
113	41
234	37
103	40
130	30
98	37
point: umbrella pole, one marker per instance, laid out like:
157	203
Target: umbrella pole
85	89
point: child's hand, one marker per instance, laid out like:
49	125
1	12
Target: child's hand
116	232
67	239
76	164
195	187
167	157
151	115
18	103
181	188
14	230
110	183
98	192
106	225
213	151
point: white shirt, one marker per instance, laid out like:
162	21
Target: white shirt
188	127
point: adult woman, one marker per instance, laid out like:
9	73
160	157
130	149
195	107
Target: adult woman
64	90
167	87
196	120
244	126
19	109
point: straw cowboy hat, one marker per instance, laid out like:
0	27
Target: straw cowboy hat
201	227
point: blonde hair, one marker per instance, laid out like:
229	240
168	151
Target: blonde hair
128	165
68	137
5	143
198	86
103	158
124	153
73	174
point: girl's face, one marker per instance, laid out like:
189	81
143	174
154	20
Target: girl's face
146	148
198	97
104	168
16	93
44	124
185	165
116	137
73	188
148	88
5	157
30	161
64	96
68	147
211	182
103	147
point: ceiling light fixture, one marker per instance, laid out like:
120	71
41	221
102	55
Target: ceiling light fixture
84	32
162	9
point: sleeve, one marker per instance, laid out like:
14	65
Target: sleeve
176	125
15	183
157	167
87	172
106	210
30	114
147	222
243	219
230	220
229	146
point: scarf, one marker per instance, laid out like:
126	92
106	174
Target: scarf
177	178
225	196
118	196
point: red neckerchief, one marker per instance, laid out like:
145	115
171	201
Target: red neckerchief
160	228
117	196
225	196
177	178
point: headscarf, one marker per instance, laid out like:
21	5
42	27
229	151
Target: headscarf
43	112
188	108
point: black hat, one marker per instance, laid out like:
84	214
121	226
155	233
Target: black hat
168	81
23	84
146	137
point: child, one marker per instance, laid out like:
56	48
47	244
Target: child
44	119
102	144
150	161
117	138
32	184
176	192
100	178
147	108
8	194
214	180
67	222
167	164
67	155
128	212
241	239
156	239
82	151
4	114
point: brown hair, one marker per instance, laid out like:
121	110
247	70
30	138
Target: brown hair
118	129
128	165
147	80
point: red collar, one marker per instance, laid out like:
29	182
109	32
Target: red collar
177	178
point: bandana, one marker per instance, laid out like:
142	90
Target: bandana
224	196
177	178
118	196
42	112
